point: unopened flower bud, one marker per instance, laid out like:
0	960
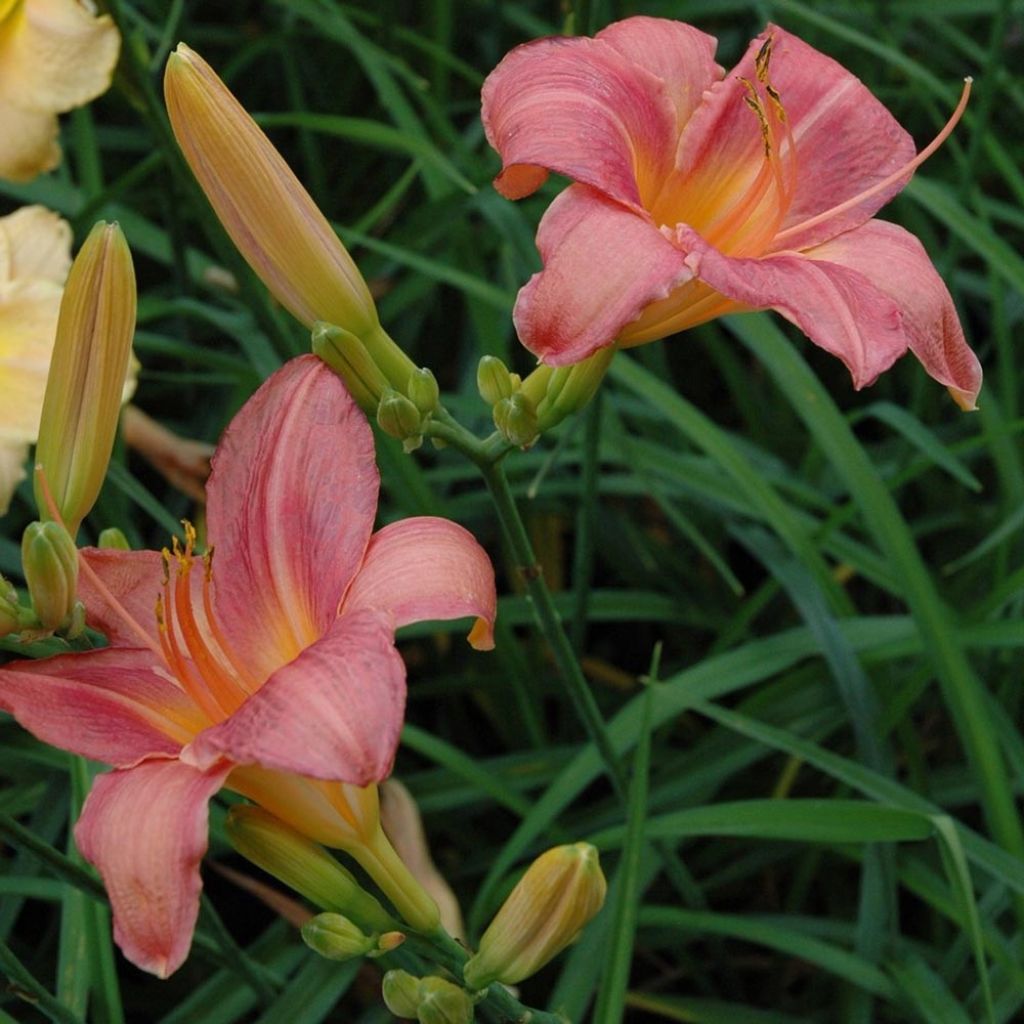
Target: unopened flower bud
561	391
516	419
493	380
86	382
335	937
399	417
49	560
423	391
113	538
441	1002
10	608
346	355
389	941
303	866
561	891
401	992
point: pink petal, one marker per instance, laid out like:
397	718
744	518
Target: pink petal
896	263
109	705
680	55
133	579
836	307
427	568
291	502
144	828
603	264
333	713
582	109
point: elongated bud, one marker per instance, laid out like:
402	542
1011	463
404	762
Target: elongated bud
303	866
423	391
346	355
441	1002
516	418
561	891
401	992
560	392
113	538
399	417
337	938
87	375
493	380
270	217
49	560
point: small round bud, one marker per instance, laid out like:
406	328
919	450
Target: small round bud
516	419
493	380
441	1002
399	417
401	992
49	560
10	619
113	538
423	391
337	938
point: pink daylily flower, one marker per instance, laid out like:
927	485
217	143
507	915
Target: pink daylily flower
697	194
270	669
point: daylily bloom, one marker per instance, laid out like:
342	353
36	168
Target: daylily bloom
271	671
696	195
54	55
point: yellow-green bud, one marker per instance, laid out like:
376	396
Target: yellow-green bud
303	866
561	391
10	608
423	391
87	374
346	355
493	380
401	992
335	937
561	891
49	560
516	418
113	538
389	941
399	417
441	1002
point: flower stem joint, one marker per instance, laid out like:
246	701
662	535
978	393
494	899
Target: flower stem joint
562	890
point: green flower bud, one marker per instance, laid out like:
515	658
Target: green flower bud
112	537
337	938
303	866
493	380
401	992
441	1002
423	391
10	608
516	418
399	417
560	892
49	560
561	391
346	355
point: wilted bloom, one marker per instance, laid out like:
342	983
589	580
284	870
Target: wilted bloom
54	55
271	670
561	891
85	385
697	195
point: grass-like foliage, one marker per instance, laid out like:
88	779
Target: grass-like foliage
798	608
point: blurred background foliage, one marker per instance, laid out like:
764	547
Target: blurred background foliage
822	822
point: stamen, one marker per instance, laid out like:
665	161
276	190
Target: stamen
880	186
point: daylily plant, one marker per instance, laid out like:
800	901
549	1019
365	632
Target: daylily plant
697	194
270	669
54	55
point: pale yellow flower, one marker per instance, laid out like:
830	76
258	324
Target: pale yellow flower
54	55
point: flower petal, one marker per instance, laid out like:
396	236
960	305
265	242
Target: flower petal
108	705
582	109
291	502
334	713
56	55
427	568
145	829
39	244
28	143
837	308
603	264
132	579
896	263
680	55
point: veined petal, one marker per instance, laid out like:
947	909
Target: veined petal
680	55
582	109
56	55
291	502
28	143
603	264
145	830
836	307
427	568
895	262
38	244
109	705
334	713
133	580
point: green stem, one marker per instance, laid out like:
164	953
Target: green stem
23	983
